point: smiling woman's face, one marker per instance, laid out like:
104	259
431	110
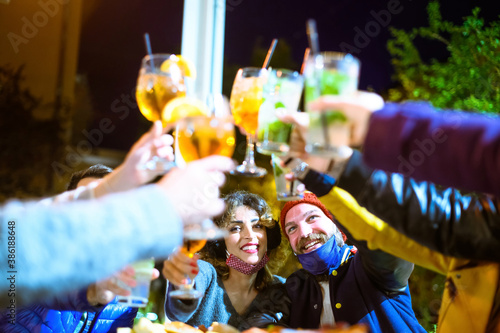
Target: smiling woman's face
247	238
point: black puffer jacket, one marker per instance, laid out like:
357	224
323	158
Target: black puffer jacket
443	219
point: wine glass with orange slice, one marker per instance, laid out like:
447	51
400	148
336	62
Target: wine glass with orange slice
212	133
161	95
198	137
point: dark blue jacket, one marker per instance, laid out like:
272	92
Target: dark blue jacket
370	287
355	297
63	314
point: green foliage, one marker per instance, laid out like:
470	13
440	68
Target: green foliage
469	79
29	144
426	289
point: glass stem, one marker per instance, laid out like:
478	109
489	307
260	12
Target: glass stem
249	154
188	284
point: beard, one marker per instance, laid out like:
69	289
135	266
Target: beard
311	237
323	238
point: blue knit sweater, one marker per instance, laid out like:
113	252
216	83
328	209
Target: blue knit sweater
269	307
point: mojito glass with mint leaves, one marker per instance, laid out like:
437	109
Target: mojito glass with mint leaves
281	95
329	73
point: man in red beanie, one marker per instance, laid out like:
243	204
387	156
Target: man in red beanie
338	284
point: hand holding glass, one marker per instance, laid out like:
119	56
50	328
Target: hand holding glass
286	190
195	238
329	73
199	137
139	294
160	80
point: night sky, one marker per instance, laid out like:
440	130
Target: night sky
112	42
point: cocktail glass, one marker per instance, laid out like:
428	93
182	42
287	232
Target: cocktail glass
329	73
281	94
139	294
195	238
213	134
160	80
198	137
246	98
286	190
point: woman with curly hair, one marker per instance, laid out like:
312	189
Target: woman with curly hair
233	274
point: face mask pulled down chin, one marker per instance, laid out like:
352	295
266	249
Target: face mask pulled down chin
323	259
242	267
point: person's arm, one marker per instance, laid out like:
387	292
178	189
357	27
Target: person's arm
130	174
456	149
388	272
56	249
378	235
465	226
182	310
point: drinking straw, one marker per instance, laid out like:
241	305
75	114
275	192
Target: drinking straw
304	60
148	44
312	35
270	53
149	51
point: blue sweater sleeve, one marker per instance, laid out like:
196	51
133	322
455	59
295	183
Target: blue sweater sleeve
450	148
60	248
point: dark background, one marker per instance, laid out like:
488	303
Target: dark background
112	43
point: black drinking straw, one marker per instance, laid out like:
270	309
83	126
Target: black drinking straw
149	51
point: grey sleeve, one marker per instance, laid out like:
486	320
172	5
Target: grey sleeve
59	248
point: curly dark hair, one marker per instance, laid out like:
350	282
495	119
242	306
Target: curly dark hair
215	251
95	171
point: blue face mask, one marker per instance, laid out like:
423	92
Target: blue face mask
325	258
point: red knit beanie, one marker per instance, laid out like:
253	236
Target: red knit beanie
309	198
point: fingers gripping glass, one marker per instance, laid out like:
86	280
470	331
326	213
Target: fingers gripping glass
160	80
195	238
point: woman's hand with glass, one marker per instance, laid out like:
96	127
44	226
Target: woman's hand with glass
179	267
